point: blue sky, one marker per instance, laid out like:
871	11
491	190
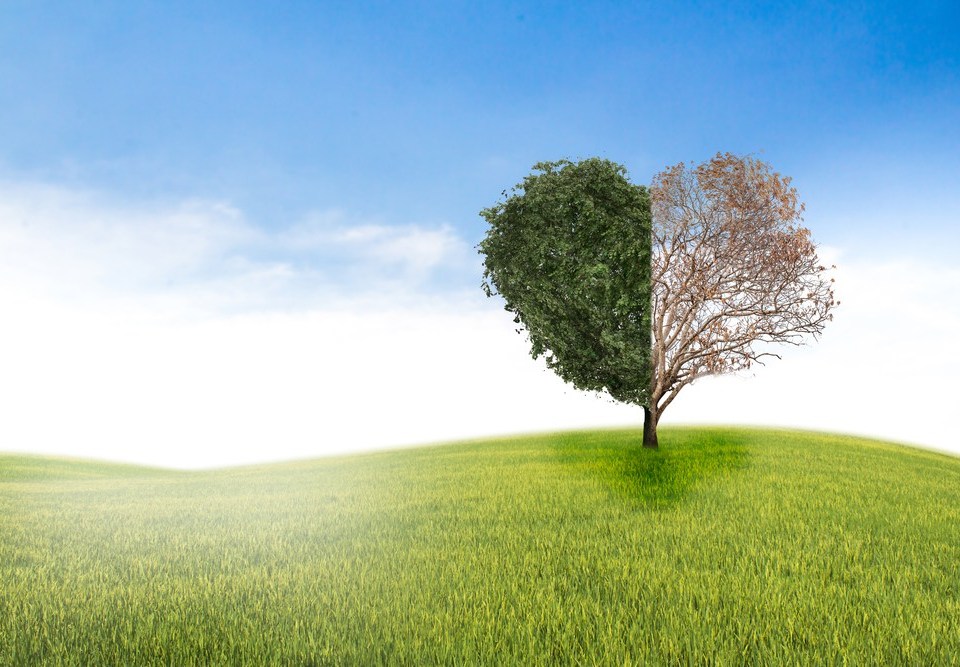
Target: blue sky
425	112
336	155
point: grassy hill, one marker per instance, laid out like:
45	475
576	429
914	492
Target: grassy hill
727	546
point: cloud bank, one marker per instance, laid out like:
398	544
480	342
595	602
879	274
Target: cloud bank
181	334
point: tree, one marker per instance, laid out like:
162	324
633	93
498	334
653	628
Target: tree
639	293
733	271
569	252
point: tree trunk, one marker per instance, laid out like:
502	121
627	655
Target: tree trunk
650	428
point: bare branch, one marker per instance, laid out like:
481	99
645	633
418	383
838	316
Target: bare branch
733	271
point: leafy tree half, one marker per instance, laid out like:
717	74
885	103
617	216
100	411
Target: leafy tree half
569	250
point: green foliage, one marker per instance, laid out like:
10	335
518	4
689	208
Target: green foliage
569	252
727	546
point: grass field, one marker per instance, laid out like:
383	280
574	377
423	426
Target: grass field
727	546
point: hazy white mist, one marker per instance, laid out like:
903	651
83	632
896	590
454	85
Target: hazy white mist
180	334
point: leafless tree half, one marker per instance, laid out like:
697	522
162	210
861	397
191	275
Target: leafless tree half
733	272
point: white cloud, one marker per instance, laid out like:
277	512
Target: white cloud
183	335
205	256
411	252
70	241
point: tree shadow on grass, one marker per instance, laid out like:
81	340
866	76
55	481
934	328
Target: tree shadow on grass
687	460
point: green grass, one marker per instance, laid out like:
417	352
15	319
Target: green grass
727	546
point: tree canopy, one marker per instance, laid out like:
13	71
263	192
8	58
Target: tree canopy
637	292
569	252
734	271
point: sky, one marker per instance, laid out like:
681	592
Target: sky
240	232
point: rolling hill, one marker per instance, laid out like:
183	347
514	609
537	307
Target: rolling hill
726	546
